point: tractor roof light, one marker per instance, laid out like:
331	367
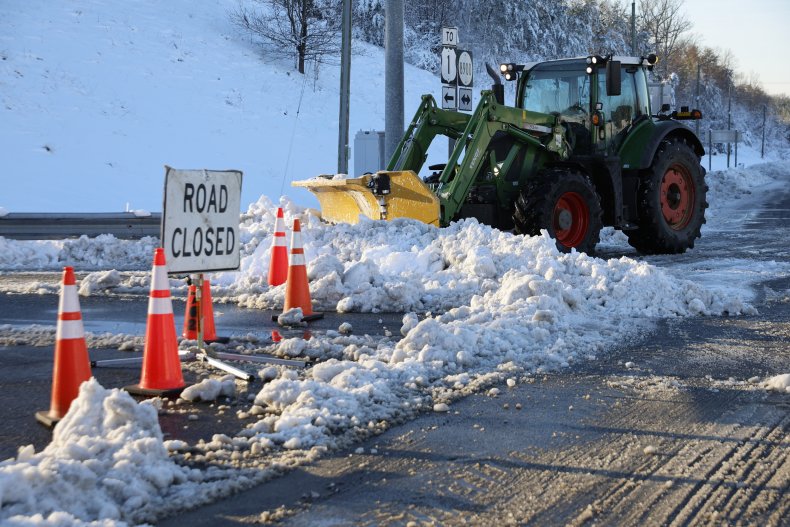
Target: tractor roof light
510	70
589	70
652	59
595	59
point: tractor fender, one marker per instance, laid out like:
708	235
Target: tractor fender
640	146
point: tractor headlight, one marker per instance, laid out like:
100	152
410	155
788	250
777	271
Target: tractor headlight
589	70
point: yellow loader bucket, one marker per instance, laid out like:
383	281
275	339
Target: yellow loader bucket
343	200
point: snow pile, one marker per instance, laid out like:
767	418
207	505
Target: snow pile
106	460
82	253
404	265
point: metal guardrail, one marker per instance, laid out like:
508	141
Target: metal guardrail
59	225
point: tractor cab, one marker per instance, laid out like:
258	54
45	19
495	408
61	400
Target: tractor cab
597	99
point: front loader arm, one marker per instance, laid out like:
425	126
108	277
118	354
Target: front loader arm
428	122
489	118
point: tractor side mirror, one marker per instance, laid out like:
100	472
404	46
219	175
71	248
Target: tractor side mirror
613	78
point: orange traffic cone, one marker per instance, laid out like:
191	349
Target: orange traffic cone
278	267
191	318
161	373
191	315
297	289
72	366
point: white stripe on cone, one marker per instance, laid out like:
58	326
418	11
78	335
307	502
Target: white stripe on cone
70	329
69	301
279	241
160	282
160	306
297	259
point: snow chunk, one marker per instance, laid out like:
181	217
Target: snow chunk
210	389
779	383
441	407
291	317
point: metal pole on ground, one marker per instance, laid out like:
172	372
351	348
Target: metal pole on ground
393	76
345	89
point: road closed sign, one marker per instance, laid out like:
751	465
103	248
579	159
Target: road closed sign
200	222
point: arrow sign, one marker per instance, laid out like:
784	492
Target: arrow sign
449	71
449	100
465	99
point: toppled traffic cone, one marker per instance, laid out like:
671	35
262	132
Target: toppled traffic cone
72	365
276	337
161	375
191	318
278	267
297	289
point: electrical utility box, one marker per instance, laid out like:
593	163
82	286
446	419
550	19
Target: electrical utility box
368	152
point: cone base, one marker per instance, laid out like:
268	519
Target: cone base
307	318
46	418
136	389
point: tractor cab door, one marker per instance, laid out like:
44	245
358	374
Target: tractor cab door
563	89
619	112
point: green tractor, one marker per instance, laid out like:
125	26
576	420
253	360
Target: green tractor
580	149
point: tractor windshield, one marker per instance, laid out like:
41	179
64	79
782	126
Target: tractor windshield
558	87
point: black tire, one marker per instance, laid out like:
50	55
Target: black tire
564	202
671	201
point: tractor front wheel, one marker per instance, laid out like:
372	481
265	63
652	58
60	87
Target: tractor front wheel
564	202
671	201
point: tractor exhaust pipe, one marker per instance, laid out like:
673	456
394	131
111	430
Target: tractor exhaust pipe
498	88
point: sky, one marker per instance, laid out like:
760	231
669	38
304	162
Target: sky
755	31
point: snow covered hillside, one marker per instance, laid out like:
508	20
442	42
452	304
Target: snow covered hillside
97	97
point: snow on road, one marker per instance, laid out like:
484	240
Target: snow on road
483	307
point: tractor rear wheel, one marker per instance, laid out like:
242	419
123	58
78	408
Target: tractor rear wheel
671	201
564	202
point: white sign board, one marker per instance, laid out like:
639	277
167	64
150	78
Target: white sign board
465	99
449	72
449	99
465	76
200	222
725	136
450	36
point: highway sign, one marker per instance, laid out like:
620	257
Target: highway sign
465	72
449	71
450	36
200	221
465	99
449	97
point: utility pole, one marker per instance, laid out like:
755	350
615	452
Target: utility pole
633	29
393	76
345	89
729	122
762	148
699	73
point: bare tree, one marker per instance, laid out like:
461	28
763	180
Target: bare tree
665	23
305	29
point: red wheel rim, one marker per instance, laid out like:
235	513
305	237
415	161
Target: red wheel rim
571	219
677	196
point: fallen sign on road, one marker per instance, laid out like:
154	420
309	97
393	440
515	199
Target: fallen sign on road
200	221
